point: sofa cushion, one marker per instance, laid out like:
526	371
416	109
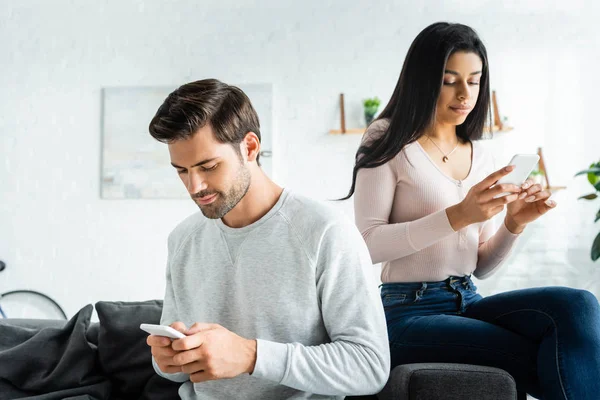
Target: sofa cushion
445	381
123	353
52	358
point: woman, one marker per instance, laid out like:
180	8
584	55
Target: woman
424	202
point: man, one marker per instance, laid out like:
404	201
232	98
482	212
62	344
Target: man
273	286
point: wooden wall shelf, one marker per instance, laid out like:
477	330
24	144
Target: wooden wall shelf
352	131
499	129
553	189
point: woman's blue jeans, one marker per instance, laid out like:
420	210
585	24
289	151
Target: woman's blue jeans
547	338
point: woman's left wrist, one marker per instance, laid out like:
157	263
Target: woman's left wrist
512	226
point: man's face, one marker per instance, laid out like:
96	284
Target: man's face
214	174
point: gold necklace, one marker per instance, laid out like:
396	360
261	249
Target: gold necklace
445	158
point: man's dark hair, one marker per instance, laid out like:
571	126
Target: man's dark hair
209	101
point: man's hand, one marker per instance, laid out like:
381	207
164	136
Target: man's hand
212	352
163	352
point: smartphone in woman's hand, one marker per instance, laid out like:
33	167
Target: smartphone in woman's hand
524	164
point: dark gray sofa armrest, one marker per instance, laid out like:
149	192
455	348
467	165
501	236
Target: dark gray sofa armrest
433	381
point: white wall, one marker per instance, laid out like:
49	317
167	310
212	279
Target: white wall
56	234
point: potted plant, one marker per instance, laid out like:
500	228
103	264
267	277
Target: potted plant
370	105
537	176
593	175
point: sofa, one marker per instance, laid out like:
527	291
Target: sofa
81	360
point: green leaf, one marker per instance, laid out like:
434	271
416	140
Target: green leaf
593	173
590	196
596	248
593	178
597	186
593	170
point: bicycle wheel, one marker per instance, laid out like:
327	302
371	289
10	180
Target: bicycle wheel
29	304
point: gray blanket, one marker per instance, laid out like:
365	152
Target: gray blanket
51	363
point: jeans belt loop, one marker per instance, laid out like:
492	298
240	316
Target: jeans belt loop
469	282
420	292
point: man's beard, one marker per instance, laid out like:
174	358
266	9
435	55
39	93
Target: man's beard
226	202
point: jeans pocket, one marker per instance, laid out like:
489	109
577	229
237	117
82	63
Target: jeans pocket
392	300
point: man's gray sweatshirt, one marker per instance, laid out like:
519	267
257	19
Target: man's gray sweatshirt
298	280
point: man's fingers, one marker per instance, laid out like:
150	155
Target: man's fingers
162	351
200	376
165	365
158	341
188	342
171	369
166	361
194	367
200	326
179	326
493	178
188	357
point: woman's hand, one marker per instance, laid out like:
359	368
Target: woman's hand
531	204
480	203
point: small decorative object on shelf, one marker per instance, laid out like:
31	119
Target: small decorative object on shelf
343	129
593	175
371	106
497	120
544	173
500	124
537	176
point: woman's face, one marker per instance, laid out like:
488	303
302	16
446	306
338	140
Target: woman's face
460	88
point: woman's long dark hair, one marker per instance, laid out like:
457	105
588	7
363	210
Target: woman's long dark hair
411	109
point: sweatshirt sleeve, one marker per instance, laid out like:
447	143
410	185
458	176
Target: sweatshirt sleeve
373	199
493	250
357	360
169	315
